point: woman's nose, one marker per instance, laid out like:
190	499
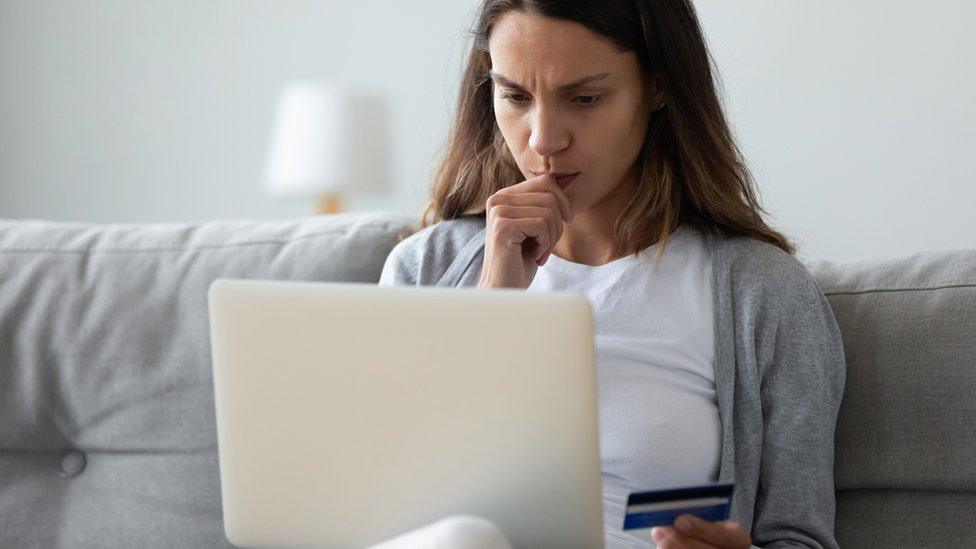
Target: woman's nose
547	136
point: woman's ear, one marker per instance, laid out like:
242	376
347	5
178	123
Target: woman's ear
655	89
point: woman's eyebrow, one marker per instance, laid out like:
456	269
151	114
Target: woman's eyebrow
505	81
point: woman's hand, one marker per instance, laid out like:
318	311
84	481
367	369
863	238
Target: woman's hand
701	534
524	223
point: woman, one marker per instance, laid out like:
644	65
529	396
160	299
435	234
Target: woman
588	138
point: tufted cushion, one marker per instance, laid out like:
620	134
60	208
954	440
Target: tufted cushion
107	436
906	434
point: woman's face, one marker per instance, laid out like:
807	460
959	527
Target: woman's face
567	101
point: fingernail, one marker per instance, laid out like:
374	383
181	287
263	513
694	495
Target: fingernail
683	523
657	534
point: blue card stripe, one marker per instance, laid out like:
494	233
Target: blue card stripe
666	518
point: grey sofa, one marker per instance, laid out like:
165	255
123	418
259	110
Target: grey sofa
107	435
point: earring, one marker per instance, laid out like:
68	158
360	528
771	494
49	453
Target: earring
661	106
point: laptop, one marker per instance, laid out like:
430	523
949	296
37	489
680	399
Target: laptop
350	413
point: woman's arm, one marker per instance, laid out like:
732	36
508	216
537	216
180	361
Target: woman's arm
801	389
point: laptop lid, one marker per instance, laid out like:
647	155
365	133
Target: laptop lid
349	413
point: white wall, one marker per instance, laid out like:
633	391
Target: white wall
121	110
856	117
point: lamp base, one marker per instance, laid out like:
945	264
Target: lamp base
328	204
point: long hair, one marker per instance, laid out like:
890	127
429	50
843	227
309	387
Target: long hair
690	169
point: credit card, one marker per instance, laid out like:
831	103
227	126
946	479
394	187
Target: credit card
709	502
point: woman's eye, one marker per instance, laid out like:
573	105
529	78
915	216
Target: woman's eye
519	99
588	99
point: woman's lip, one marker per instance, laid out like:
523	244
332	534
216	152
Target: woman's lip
565	180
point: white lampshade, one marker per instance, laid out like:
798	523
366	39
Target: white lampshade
325	139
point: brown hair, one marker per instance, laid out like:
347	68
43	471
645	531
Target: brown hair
690	168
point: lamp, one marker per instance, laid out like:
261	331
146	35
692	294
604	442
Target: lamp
326	140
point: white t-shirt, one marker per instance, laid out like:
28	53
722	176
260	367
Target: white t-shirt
654	336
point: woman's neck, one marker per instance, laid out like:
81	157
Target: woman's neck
589	239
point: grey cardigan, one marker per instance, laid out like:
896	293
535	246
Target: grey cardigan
779	372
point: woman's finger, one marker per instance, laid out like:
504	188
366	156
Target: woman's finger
523	228
538	199
669	538
532	198
727	534
552	218
542	183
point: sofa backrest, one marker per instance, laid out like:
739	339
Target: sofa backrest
107	433
905	459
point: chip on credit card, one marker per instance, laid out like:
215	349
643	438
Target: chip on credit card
709	502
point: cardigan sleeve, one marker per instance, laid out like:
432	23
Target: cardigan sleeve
405	261
425	257
401	265
801	391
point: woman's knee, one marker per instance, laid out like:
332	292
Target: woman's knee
452	532
472	532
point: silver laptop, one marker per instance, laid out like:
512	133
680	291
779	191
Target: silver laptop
349	413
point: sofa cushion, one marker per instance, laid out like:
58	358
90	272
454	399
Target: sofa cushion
108	436
905	432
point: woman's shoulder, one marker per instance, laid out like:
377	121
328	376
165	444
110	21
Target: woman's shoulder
787	312
453	232
759	271
444	239
424	256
